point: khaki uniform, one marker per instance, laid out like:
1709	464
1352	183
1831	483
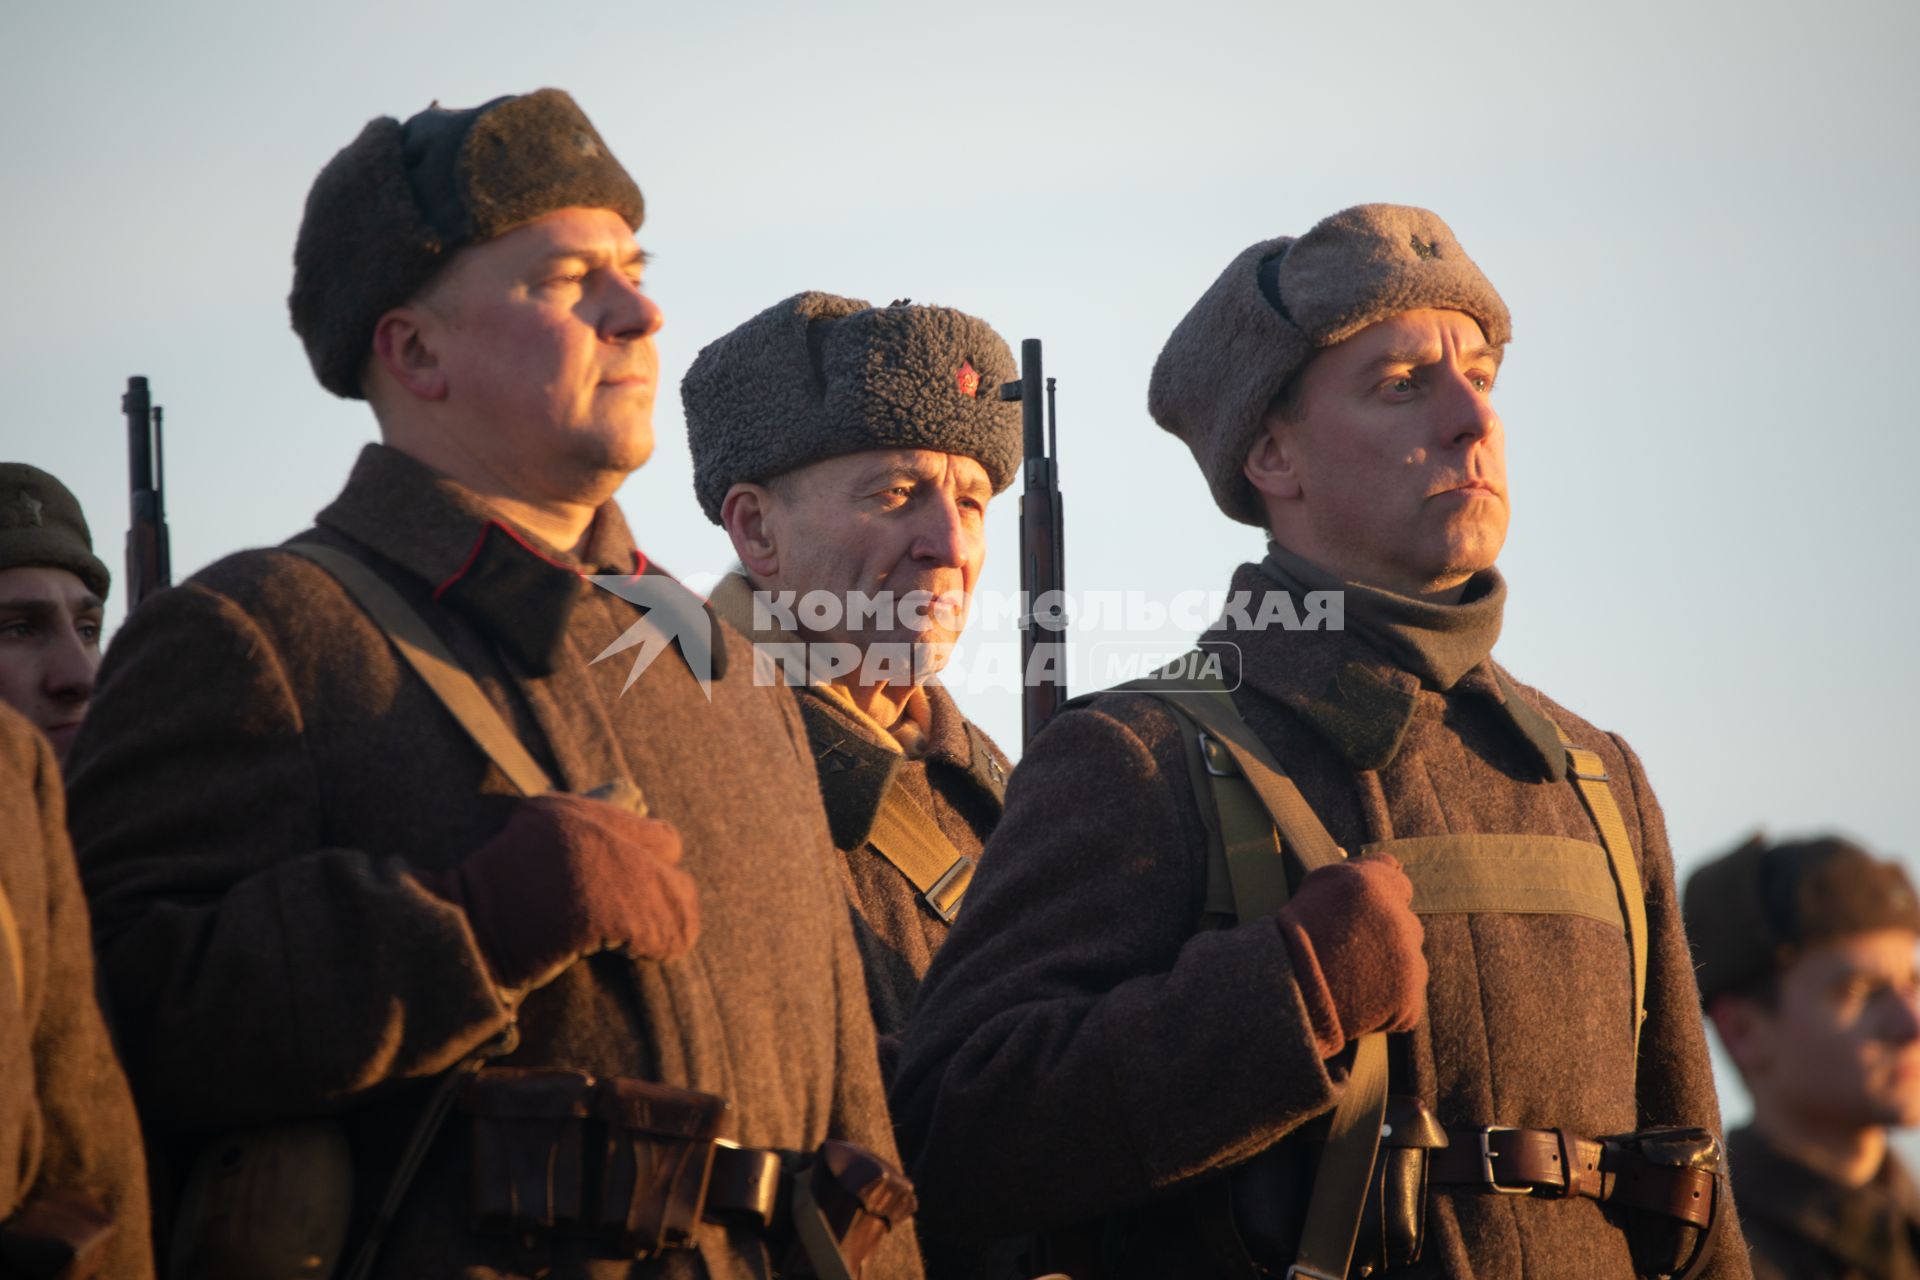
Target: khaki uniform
1087	1048
261	774
67	1126
1801	1226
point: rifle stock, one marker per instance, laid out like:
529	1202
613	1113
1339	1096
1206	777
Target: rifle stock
149	553
1043	624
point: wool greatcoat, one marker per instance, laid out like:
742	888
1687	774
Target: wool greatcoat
959	779
1085	1048
260	776
67	1127
1802	1225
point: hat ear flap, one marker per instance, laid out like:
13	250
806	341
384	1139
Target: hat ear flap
363	249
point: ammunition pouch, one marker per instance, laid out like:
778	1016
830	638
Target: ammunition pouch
1267	1199
857	1197
634	1167
625	1161
53	1238
1668	1183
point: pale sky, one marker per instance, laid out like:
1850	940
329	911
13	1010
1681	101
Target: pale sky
1702	217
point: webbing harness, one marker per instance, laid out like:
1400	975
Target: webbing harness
1254	816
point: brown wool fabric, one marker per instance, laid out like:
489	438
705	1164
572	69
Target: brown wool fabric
1280	301
960	779
1748	909
569	877
260	780
67	1124
1085	1046
815	376
41	524
394	206
1803	1226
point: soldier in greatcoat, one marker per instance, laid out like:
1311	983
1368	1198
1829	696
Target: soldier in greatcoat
850	451
1107	1044
73	1182
339	908
1806	954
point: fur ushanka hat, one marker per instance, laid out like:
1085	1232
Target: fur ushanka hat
391	208
1282	300
817	376
1745	912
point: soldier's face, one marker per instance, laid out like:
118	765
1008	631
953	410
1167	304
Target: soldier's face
1842	1047
906	524
49	649
1393	470
546	341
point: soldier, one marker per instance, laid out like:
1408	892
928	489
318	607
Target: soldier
851	451
330	882
1806	959
73	1184
1145	1008
52	592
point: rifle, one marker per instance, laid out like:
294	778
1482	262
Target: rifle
149	550
1043	659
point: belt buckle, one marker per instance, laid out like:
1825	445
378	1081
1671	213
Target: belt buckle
1486	1162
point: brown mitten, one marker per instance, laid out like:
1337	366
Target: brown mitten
569	876
1355	945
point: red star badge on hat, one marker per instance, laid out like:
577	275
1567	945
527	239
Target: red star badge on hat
968	379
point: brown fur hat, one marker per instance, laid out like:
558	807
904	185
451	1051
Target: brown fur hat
1278	303
391	208
41	525
817	376
1747	910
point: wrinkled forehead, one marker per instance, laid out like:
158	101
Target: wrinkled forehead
867	470
1428	332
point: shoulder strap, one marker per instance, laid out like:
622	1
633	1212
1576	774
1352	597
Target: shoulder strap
415	641
1261	811
907	836
1589	774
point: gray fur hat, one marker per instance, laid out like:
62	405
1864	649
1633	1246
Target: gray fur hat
41	525
394	205
817	376
1281	301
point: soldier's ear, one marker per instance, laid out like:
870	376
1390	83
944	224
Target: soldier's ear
404	354
1272	466
1746	1031
747	513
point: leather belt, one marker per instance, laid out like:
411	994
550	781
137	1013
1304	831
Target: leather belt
1554	1163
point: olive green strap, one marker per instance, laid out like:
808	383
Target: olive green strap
415	641
907	836
815	1235
1260	809
16	956
1589	774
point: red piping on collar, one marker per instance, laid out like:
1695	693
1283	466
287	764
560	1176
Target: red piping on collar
481	541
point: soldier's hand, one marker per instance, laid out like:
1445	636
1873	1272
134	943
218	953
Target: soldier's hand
569	876
1355	946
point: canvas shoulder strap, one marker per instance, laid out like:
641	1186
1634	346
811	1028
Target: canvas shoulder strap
415	641
1589	775
1261	814
908	836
